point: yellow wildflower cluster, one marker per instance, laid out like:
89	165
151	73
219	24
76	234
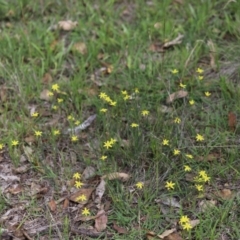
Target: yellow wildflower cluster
185	223
126	95
107	99
77	178
110	143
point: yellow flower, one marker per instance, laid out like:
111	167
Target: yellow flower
107	144
202	173
74	138
54	107
56	132
70	117
112	103
103	110
136	90
81	198
139	185
76	176
134	125
176	152
35	114
85	212
113	140
187	226
108	99
187	168
174	71
200	77
15	142
177	120
207	94
184	219
165	142
199	138
191	102
60	100
1	146
124	92
102	95
182	85
190	156
78	184
145	113
206	178
170	185
38	133
50	94
199	70
199	187
77	122
55	87
103	157
126	97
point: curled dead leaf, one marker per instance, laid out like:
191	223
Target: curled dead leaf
67	25
47	78
65	203
204	205
52	205
194	222
167	233
176	41
225	194
117	175
101	221
80	47
44	95
100	190
232	121
120	230
83	191
176	95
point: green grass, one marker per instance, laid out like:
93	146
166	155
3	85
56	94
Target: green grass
123	33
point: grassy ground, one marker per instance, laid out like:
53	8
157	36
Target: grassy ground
117	48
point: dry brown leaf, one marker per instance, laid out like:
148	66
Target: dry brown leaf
232	121
194	222
47	78
206	204
52	205
100	190
88	172
15	189
84	218
67	25
83	191
120	230
167	233
65	203
212	54
117	175
156	47
44	95
9	178
80	47
225	194
210	157
101	221
176	95
3	93
173	236
21	169
29	139
176	41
